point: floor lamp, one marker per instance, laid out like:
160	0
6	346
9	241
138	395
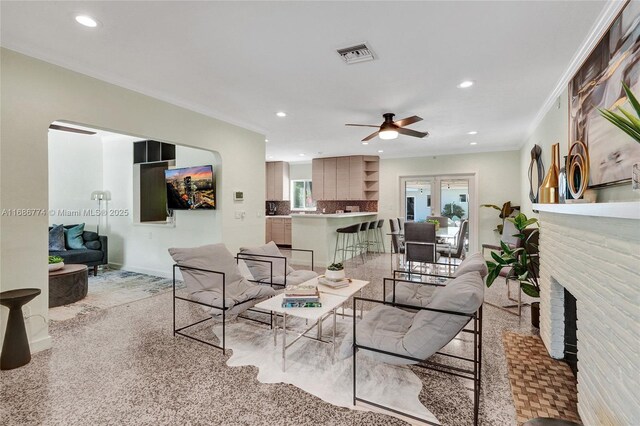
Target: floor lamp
100	196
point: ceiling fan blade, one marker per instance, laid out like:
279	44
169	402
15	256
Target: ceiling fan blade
406	121
362	125
413	133
70	129
371	136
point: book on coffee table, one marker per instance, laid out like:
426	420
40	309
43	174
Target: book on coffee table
334	284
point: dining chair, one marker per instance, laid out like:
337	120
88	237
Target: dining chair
456	251
397	240
401	223
420	243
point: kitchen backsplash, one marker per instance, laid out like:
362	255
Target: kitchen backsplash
332	206
284	207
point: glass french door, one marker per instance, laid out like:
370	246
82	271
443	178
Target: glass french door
440	195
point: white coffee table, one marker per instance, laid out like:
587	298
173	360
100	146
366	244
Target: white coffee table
331	300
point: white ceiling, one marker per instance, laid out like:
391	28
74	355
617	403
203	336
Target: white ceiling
244	61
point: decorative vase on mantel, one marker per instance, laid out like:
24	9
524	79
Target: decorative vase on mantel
549	187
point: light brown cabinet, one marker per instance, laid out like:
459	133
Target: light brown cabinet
346	178
342	175
317	178
277	177
278	230
330	181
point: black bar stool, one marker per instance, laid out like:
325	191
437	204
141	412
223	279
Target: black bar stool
372	238
350	241
379	234
363	243
15	348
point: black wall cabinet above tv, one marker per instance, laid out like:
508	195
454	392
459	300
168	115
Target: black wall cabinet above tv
152	151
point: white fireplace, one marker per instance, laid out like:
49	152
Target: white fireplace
593	250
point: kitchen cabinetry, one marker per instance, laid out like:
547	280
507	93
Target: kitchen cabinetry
278	230
330	168
346	178
277	177
317	178
342	175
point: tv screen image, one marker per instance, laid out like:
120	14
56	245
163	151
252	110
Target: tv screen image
191	188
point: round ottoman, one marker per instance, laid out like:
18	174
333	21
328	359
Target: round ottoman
68	285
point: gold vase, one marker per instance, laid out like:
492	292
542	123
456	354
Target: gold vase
549	187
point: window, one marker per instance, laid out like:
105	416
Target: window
301	198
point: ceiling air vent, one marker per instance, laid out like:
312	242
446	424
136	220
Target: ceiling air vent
355	54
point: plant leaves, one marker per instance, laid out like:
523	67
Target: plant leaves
632	98
530	290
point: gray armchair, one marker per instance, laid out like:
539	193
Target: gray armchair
402	334
268	265
214	282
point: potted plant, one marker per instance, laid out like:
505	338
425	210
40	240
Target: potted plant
335	272
523	265
436	222
55	263
505	211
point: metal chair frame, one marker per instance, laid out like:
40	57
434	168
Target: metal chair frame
474	374
246	256
223	309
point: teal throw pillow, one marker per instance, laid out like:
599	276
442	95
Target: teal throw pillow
73	237
56	238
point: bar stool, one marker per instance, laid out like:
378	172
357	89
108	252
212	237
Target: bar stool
372	237
363	243
379	235
350	241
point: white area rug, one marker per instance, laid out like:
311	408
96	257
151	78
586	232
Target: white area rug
309	367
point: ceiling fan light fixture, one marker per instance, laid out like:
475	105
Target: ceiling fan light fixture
388	134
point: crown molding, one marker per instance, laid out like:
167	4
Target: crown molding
604	21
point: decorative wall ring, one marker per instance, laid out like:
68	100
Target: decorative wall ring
578	169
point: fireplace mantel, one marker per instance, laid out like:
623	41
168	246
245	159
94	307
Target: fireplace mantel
622	210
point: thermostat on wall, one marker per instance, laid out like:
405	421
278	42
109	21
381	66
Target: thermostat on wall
238	195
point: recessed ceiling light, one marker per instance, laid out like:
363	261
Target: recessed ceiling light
465	84
301	155
87	21
365	143
473	132
380	151
266	140
281	114
271	156
473	143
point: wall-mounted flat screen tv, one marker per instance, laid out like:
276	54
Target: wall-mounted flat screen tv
191	188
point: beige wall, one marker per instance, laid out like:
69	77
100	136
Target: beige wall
554	128
35	93
497	180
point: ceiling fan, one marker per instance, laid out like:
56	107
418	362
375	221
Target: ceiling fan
390	129
70	129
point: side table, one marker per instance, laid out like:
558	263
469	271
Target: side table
15	348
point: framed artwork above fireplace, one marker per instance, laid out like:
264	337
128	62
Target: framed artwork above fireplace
598	84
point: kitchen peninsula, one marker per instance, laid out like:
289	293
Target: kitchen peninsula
318	233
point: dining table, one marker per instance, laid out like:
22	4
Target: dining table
444	237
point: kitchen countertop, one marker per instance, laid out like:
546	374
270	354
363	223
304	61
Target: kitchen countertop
333	215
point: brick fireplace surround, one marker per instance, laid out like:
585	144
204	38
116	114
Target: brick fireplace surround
594	252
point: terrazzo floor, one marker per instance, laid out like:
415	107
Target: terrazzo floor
122	365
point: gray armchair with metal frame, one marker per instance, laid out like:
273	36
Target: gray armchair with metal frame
279	273
508	237
420	292
404	334
214	282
